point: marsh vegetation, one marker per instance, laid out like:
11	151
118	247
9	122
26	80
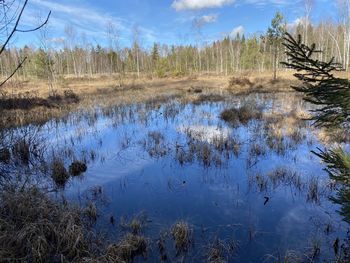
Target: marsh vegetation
206	176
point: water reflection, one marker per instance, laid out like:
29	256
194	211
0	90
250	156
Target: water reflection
342	198
254	185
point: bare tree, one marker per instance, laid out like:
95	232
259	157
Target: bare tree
113	41
136	47
308	5
197	27
45	45
344	11
70	32
10	26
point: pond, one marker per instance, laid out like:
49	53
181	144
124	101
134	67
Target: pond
249	183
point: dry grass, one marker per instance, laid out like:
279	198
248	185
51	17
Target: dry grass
135	225
241	115
290	256
91	212
21	151
27	101
106	91
183	236
209	98
59	173
313	194
5	155
35	229
220	251
127	249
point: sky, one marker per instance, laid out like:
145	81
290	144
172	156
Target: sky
161	21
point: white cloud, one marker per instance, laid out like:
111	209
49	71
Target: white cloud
180	5
81	16
298	21
269	2
209	18
237	30
87	20
295	23
199	22
57	40
206	19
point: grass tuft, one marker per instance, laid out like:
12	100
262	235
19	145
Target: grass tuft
127	249
182	234
59	173
241	115
77	168
21	151
5	155
35	229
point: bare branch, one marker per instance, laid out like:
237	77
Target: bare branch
37	28
14	72
13	31
15	27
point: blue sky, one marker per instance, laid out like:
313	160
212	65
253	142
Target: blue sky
164	21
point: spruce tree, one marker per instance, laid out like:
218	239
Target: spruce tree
275	36
329	93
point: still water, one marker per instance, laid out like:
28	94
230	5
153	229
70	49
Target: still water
255	185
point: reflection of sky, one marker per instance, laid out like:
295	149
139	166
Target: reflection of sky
218	198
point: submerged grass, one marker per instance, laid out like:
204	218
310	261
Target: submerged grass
220	251
313	194
127	249
134	225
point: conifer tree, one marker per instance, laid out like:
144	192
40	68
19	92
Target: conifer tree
275	36
329	93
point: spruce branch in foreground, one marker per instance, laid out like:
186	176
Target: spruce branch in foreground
330	94
320	86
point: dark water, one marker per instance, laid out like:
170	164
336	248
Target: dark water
177	161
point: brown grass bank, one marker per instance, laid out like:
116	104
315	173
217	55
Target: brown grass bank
24	102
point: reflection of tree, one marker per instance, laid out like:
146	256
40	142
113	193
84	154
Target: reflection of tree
342	198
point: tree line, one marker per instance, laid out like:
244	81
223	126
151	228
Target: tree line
257	52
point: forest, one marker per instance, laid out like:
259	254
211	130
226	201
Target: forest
74	55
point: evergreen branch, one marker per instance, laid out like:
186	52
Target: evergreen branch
338	163
320	86
330	94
